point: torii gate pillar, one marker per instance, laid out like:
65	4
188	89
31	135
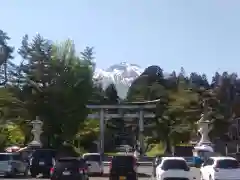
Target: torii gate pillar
102	130
141	129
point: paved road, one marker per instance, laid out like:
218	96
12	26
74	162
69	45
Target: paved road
101	178
142	169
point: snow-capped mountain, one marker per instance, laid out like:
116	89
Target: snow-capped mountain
122	75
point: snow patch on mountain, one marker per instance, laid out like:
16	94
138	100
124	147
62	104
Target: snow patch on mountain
122	75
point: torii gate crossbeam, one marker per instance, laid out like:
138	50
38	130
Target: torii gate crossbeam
141	115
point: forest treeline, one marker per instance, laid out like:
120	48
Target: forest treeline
55	82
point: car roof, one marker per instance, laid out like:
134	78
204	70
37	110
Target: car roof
123	155
223	158
10	153
173	158
44	149
89	154
69	158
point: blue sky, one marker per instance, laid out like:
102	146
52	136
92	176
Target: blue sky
199	35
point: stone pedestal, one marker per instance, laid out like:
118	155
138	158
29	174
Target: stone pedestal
36	131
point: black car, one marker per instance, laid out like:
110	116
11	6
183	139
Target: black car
41	161
123	167
69	168
157	160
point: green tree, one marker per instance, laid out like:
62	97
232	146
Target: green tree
176	109
88	56
55	85
5	57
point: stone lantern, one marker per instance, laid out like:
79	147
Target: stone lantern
36	131
204	127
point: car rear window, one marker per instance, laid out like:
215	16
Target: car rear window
183	151
227	163
16	157
44	154
67	163
123	161
175	164
96	158
4	157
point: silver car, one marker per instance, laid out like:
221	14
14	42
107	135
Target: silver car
11	164
95	164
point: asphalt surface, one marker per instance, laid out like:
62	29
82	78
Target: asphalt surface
147	170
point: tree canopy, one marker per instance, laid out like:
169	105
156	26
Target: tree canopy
55	82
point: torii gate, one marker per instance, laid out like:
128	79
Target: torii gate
140	106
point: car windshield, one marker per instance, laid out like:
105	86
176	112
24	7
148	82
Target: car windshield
202	153
4	157
175	164
92	158
227	164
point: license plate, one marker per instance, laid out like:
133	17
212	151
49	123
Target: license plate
122	178
66	173
41	163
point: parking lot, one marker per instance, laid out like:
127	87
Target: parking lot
143	170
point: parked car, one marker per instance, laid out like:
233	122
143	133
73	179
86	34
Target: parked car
11	165
69	168
94	160
123	167
173	168
220	168
41	161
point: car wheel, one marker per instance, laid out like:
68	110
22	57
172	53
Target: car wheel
201	176
8	175
25	174
154	173
210	177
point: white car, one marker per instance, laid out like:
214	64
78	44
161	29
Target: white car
173	167
217	168
95	164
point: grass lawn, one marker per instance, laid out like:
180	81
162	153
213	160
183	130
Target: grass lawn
157	149
111	153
